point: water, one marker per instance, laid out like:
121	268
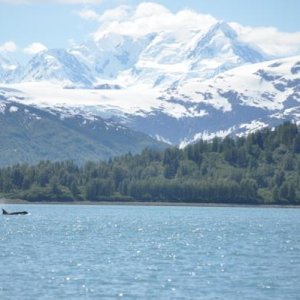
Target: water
128	252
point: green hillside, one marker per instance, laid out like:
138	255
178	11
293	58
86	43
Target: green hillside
262	168
29	135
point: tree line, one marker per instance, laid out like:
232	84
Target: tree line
262	168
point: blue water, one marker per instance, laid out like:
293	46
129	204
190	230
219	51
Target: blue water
129	252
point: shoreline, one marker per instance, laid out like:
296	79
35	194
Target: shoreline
140	203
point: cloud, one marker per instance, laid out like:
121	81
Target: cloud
16	2
149	17
88	14
119	13
35	48
116	14
270	40
8	47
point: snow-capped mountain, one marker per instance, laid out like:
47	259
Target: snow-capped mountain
163	61
244	98
175	87
57	65
218	50
235	102
170	58
157	59
9	68
111	54
222	41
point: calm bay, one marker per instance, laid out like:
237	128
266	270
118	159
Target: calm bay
149	252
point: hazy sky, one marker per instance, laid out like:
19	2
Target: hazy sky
58	23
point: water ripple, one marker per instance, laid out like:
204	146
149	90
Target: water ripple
111	252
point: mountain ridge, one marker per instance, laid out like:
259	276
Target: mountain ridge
29	134
171	87
234	102
115	56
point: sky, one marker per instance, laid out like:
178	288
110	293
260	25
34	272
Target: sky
29	26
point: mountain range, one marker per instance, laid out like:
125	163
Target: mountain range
158	59
175	88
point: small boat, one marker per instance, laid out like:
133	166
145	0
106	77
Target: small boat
4	212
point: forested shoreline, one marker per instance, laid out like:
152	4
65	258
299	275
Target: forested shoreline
262	168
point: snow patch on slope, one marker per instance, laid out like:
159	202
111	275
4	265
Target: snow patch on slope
139	100
2	108
207	136
13	109
256	85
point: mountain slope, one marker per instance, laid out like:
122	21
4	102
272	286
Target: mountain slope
219	49
172	86
235	102
29	135
111	54
156	59
261	94
169	57
222	40
57	65
9	68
